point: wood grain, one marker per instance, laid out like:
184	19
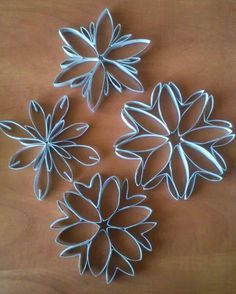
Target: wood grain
193	44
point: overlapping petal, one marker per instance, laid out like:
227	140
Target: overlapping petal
110	228
49	144
111	57
190	139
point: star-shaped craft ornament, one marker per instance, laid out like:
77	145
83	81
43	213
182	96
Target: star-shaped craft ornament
99	57
49	145
174	139
104	226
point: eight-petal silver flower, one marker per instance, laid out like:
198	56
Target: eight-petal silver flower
98	57
49	144
174	139
104	226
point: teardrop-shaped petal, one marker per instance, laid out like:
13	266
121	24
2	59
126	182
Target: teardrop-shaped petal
86	33
71	132
80	43
130	216
176	91
14	130
34	132
125	244
62	167
110	197
103	31
219	158
70	74
207	134
38	117
82	207
127	49
79	233
60	109
168	108
24	157
31	142
155	96
115	83
208	108
56	130
193	113
179	171
156	162
41	182
99	253
142	143
61	151
96	87
84	154
124	76
145	121
202	158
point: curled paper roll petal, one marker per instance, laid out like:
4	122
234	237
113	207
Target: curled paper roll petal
104	226
99	57
49	145
186	128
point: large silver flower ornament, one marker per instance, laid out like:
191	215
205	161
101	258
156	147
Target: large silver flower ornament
104	227
174	139
99	56
49	145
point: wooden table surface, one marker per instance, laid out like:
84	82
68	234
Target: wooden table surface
194	45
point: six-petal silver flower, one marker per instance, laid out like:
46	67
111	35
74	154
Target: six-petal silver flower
174	139
49	144
99	57
104	226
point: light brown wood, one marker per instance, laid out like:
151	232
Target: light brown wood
193	44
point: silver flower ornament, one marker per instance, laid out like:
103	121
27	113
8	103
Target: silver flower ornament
99	56
104	227
49	145
174	139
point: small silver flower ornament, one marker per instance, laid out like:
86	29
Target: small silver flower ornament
174	139
104	227
49	145
99	56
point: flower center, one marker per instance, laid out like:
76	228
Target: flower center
174	138
103	225
101	58
47	142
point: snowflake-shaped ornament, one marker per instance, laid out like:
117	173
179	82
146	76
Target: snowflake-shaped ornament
104	227
174	139
99	56
49	145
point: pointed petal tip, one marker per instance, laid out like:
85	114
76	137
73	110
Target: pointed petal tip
106	11
39	195
63	99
